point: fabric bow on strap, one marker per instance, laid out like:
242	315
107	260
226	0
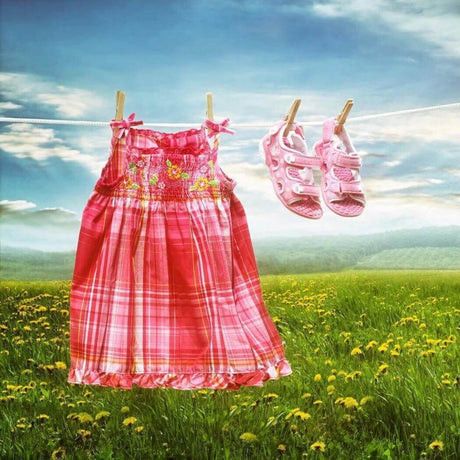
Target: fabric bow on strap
218	127
124	126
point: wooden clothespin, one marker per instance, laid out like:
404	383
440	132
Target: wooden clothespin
342	117
120	102
291	116
209	107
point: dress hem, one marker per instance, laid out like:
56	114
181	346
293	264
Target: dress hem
182	381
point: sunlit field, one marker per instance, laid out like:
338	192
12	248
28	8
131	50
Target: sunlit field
375	362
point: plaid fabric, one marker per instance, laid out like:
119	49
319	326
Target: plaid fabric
166	290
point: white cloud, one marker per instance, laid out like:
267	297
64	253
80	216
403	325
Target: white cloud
431	126
435	23
24	213
25	140
26	89
7	207
9	106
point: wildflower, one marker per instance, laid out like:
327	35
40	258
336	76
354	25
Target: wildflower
129	421
292	412
27	328
356	351
383	368
60	365
436	445
318	402
84	417
317	377
102	414
124	409
302	415
350	402
139	429
365	400
42	417
331	378
271	396
281	448
306	395
58	453
330	389
318	446
248	437
84	433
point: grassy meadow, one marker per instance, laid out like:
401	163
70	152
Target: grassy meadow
375	362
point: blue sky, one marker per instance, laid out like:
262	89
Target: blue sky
67	59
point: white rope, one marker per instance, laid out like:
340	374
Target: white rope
235	125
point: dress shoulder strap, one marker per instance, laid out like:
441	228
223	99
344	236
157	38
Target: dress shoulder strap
214	130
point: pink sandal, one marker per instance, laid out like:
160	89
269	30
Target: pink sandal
290	166
340	183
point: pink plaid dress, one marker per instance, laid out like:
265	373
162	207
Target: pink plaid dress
165	290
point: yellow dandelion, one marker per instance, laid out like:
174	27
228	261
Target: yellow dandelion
365	400
302	415
84	433
58	453
292	412
371	344
317	377
350	402
124	409
271	396
281	448
102	414
331	378
383	368
436	445
318	446
42	417
330	389
306	395
318	402
356	351
129	421
139	429
248	437
84	417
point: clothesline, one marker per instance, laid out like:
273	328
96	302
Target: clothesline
234	125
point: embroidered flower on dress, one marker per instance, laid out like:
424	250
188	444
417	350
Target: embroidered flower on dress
140	163
204	169
161	185
202	183
175	172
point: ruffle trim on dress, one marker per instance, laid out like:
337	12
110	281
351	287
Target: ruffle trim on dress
184	381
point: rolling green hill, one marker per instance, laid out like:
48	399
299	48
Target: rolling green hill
427	248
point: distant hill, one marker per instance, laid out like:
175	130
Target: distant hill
413	258
425	248
336	252
30	264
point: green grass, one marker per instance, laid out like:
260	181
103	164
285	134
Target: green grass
321	317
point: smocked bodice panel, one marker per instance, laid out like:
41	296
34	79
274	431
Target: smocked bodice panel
154	165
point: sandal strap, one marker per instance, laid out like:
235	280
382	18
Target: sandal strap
304	189
345	187
347	161
301	161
